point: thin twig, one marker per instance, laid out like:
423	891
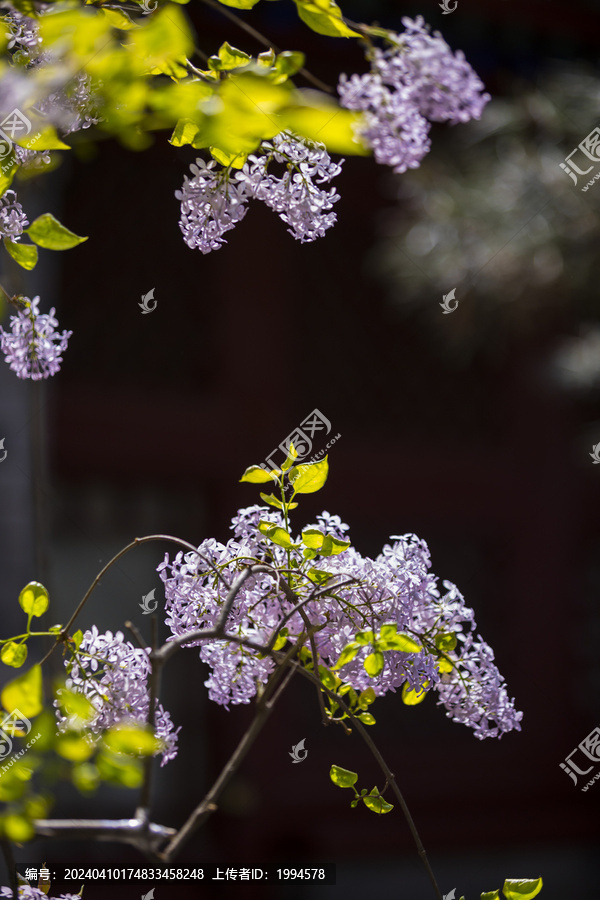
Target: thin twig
208	805
63	634
389	775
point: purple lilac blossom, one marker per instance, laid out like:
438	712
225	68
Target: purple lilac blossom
415	80
212	202
27	892
395	587
113	675
13	220
33	347
294	195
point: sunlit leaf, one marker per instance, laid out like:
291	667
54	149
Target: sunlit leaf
375	802
374	663
343	777
13	654
324	17
412	698
25	254
257	475
308	479
24	693
49	233
33	599
522	888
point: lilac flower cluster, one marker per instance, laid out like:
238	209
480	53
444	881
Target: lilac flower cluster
113	675
27	892
363	594
415	81
13	220
212	203
33	347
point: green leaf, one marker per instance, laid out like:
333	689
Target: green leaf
292	455
491	895
24	693
347	655
187	131
343	777
239	4
77	638
324	17
131	740
13	654
323	120
289	62
375	802
74	747
366	718
374	663
272	500
25	254
257	475
318	576
163	39
332	546
444	666
17	828
42	138
445	642
124	771
328	678
276	534
235	160
282	638
7	173
412	698
364	637
228	58
85	777
313	538
309	478
522	888
366	697
33	599
402	642
118	18
76	706
49	233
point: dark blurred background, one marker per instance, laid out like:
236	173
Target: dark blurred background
473	430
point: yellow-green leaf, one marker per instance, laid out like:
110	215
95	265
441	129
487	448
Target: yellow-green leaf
132	740
17	828
118	18
347	655
375	802
522	888
313	538
13	654
235	160
239	4
343	777
324	17
49	233
33	599
374	663
309	478
321	119
491	895
74	747
412	698
24	693
258	475
25	254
